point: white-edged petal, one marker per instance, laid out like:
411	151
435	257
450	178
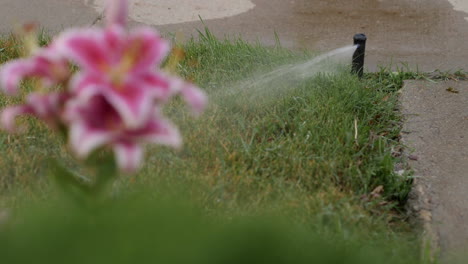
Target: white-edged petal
12	73
195	98
129	156
84	140
8	117
134	107
163	132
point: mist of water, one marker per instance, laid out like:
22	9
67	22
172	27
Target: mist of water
282	79
325	63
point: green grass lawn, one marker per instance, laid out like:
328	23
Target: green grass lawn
318	154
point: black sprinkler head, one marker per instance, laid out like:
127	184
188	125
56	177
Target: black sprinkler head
359	54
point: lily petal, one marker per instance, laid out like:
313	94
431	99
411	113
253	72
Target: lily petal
159	85
160	131
46	64
192	95
12	73
45	105
85	47
129	156
117	12
132	102
42	106
8	117
83	139
195	98
147	48
85	84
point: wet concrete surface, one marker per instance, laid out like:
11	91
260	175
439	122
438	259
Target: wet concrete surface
160	12
436	128
426	34
52	15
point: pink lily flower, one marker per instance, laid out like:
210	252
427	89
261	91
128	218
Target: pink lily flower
46	64
94	123
46	107
116	97
122	65
119	66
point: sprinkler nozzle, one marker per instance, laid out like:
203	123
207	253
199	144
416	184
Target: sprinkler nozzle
359	54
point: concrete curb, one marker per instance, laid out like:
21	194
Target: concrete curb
434	133
420	209
419	203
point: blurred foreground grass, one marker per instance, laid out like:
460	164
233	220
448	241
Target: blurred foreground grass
283	171
167	230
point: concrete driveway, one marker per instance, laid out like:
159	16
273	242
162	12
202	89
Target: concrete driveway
426	34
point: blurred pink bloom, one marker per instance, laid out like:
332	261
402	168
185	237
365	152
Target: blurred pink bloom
46	107
116	96
120	66
46	64
95	123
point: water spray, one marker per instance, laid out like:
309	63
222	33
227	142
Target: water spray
277	82
358	56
